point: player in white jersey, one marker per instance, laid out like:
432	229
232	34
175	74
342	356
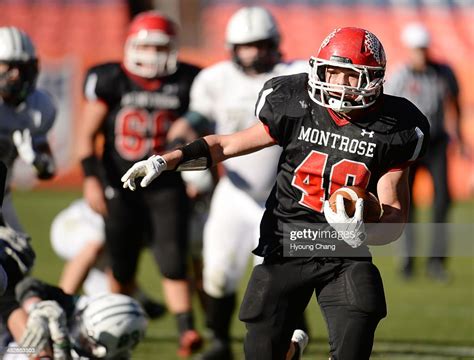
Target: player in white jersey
77	236
224	96
26	113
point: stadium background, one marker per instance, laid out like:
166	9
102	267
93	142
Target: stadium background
72	35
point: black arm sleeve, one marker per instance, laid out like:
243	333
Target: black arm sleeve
31	287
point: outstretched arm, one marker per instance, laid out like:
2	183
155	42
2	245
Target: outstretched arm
200	154
90	127
223	147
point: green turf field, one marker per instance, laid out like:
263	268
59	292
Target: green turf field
426	320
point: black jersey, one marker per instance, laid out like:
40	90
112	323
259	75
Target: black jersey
322	152
138	119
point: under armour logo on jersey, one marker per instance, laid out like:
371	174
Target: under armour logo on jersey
365	132
303	104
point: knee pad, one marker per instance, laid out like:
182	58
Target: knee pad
364	289
256	296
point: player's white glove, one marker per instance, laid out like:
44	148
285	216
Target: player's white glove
47	321
149	169
36	334
349	229
24	145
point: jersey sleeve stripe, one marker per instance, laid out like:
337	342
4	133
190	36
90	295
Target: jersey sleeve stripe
89	89
261	102
419	143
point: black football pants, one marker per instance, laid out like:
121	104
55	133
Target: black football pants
147	217
349	292
435	162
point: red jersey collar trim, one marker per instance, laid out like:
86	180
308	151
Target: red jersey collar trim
147	84
337	119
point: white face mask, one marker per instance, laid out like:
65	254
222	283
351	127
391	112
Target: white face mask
149	63
343	98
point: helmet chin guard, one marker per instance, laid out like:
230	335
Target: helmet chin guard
354	49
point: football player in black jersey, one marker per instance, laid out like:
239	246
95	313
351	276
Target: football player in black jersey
132	104
336	128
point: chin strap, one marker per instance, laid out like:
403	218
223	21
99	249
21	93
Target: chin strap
337	105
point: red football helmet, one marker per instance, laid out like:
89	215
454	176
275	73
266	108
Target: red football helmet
350	48
151	28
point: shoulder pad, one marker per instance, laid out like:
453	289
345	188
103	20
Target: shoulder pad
101	81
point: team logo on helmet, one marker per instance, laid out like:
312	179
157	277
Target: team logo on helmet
328	38
375	47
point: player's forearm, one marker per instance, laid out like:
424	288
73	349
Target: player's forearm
86	154
393	190
90	126
388	229
85	145
219	149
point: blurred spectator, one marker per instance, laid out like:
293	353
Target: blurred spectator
133	104
433	88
